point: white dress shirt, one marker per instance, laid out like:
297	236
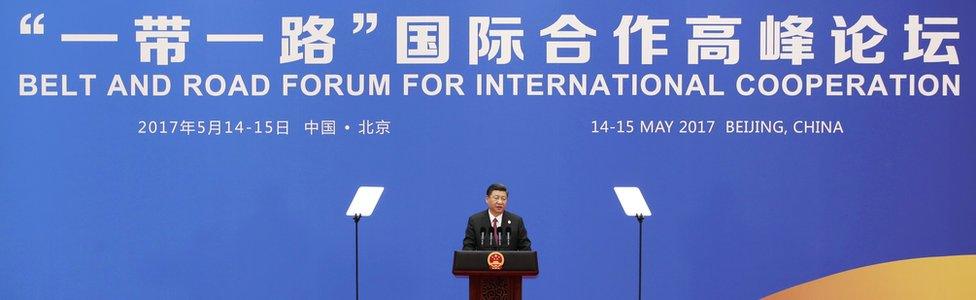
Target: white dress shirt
495	221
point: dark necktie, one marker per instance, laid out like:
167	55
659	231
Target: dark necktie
494	226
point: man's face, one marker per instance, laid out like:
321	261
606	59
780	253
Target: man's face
497	201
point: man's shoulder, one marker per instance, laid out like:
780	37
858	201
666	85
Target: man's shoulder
478	215
484	214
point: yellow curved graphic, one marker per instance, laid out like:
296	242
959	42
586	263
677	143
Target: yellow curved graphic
942	277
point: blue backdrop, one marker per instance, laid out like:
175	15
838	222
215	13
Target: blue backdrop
91	209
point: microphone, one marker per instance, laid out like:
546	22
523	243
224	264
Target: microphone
491	238
482	237
508	236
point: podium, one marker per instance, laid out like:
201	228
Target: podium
495	274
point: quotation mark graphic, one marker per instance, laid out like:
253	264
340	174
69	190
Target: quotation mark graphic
361	19
31	28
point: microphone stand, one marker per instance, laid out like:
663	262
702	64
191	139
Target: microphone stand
356	220
491	242
640	254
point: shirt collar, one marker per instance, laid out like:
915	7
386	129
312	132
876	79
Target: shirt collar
500	218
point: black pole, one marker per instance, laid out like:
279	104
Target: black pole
356	220
640	254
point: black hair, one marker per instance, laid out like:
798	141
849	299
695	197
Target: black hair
496	187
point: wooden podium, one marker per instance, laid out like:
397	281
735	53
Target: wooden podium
495	274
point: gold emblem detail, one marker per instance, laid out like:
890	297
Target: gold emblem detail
496	260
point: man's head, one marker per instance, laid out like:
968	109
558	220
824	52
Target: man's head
497	198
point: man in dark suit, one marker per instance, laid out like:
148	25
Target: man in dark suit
496	229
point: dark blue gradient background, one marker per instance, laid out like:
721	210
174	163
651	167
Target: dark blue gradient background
90	209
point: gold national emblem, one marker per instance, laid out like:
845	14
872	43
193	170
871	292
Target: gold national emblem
496	260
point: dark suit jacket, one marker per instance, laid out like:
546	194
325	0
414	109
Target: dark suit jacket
512	232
